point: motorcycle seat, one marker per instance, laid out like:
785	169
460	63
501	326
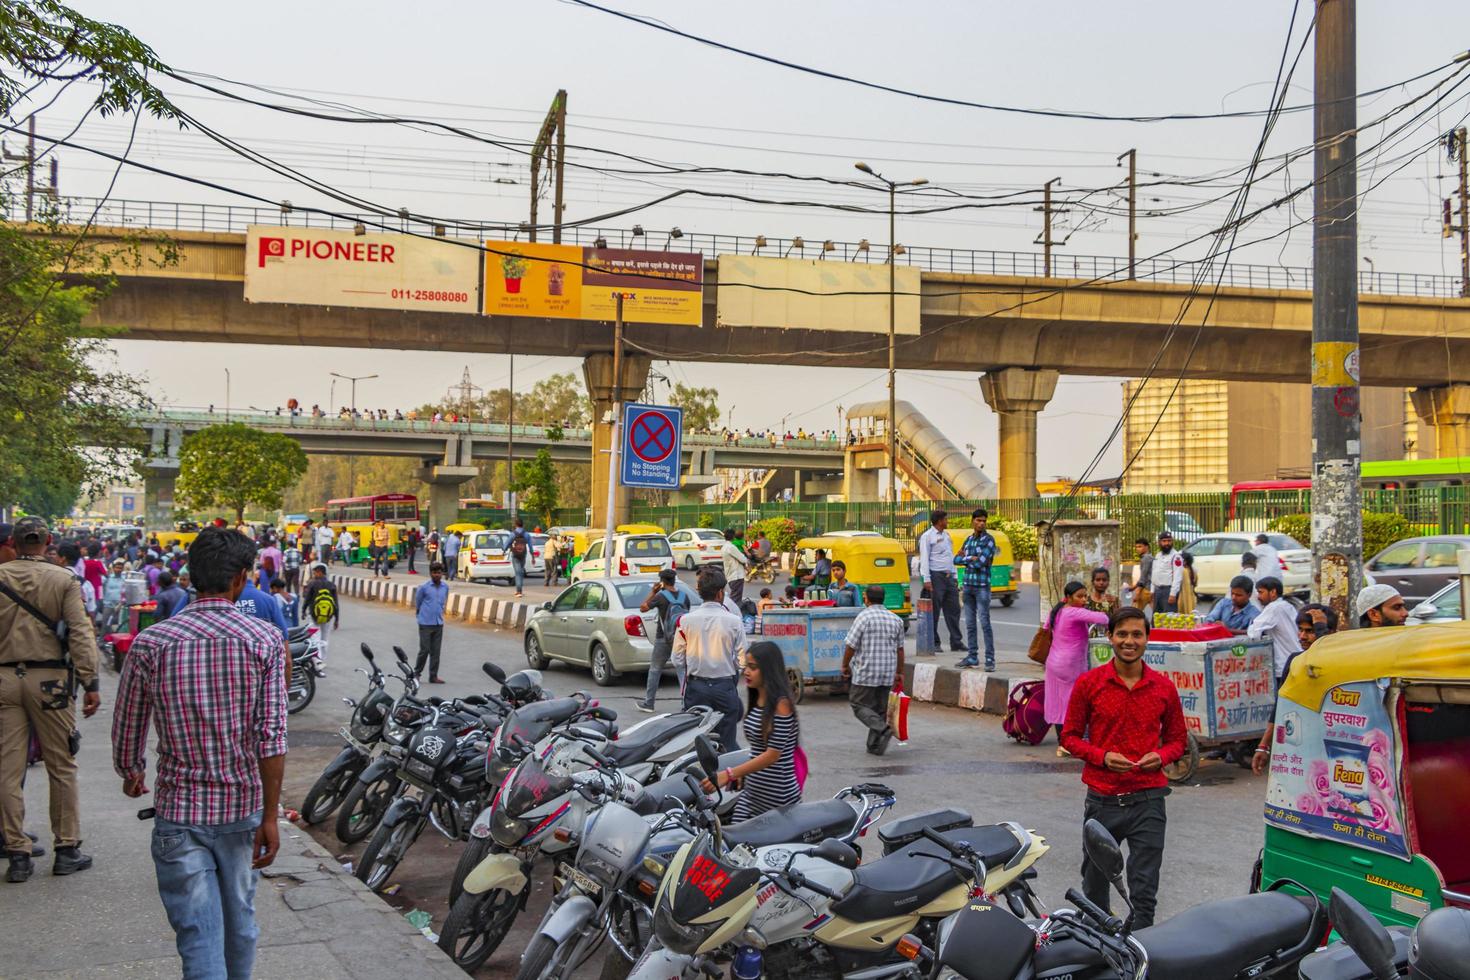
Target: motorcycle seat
993	843
641	743
797	823
899	884
298	634
1217	940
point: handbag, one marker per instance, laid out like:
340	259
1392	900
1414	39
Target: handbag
799	763
898	713
1040	645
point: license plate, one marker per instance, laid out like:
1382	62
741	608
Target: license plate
649	568
587	884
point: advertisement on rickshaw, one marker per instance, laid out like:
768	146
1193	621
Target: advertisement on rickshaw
1225	685
1332	771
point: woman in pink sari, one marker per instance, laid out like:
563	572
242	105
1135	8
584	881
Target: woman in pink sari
1071	621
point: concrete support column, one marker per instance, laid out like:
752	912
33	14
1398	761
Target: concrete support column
1017	396
860	476
597	371
1447	411
158	494
444	483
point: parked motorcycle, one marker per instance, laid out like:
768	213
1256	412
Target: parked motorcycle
1249	937
305	646
362	733
377	784
1437	948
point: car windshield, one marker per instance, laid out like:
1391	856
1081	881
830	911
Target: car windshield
709	535
649	547
1283	542
491	540
633	594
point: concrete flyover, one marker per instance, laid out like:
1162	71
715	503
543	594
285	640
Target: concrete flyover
1021	329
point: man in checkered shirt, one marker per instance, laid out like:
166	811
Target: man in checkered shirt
212	680
873	664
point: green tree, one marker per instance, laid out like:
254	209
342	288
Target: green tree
701	406
234	466
536	483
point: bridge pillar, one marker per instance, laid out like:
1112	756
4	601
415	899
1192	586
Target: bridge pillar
597	371
1017	396
158	494
444	483
860	476
1447	411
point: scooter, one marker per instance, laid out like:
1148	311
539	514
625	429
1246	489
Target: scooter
1249	937
1437	948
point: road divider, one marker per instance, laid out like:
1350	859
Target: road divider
466	607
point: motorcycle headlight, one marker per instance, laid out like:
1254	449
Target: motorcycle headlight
678	937
496	768
506	830
363	732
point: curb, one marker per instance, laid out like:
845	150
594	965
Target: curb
466	608
975	689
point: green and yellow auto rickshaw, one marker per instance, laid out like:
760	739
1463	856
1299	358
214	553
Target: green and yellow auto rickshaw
1003	576
870	560
1369	785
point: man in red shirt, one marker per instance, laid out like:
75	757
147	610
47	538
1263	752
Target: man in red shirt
1124	721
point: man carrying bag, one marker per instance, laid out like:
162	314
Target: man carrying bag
46	649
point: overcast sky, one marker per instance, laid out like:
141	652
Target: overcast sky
495	67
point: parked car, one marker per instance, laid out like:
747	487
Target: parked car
1183	526
632	554
695	546
1442	607
1217	561
485	556
596	624
1419	567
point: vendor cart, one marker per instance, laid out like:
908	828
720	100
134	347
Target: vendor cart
1226	684
811	641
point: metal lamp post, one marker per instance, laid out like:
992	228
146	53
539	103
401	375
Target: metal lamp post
893	186
354	380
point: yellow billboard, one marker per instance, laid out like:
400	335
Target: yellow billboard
809	294
572	282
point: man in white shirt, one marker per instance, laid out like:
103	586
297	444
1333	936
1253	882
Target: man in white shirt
734	562
1268	562
1276	620
1168	575
936	569
324	539
709	645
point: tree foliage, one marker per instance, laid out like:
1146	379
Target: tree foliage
1379	530
701	406
536	484
234	466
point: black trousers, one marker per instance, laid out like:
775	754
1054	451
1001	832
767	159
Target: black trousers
946	596
1141	826
718	693
431	638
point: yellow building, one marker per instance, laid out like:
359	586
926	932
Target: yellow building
1211	434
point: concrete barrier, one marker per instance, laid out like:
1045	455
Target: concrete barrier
463	606
925	680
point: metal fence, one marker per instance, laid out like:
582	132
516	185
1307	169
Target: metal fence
179	216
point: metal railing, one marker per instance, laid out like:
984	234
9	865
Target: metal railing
178	216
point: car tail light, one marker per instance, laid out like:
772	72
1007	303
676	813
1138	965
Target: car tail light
622	566
633	625
1283	562
474	557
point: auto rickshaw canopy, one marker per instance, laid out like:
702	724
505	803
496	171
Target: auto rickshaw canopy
1433	651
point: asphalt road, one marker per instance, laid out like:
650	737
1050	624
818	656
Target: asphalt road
954	758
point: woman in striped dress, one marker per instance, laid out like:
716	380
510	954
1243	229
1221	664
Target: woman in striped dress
768	778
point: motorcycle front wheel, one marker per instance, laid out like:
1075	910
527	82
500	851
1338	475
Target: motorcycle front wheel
364	807
478	924
536	958
385	852
327	793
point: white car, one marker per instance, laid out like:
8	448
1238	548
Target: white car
632	554
695	546
485	556
1217	561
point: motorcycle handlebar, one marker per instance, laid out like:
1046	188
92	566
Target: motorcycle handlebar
598	757
802	881
1111	923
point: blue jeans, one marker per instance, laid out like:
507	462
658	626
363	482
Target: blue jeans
977	601
208	892
518	567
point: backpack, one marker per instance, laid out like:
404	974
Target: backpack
518	544
1025	719
323	606
674	612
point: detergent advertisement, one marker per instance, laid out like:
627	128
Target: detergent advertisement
1332	771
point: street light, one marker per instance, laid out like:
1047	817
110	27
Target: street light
893	186
354	380
227	394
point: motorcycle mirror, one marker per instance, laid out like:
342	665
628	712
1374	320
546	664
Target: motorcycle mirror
367	652
1103	851
1363	934
495	673
709	759
837	852
402	657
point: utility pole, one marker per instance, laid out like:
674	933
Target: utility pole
617	433
510	440
553	125
1132	156
29	159
1337	521
1455	143
1046	242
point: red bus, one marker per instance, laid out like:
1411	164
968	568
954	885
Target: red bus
397	508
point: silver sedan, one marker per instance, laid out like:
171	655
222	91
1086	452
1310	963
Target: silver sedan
596	623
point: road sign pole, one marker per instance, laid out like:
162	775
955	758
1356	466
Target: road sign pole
613	462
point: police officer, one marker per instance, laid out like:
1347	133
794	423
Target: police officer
36	674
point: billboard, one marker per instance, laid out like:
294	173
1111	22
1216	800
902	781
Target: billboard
572	282
807	294
329	267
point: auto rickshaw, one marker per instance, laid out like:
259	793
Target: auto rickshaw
465	527
1002	567
183	539
363	535
869	560
1370	771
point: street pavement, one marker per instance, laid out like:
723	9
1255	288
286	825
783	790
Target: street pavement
955	757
